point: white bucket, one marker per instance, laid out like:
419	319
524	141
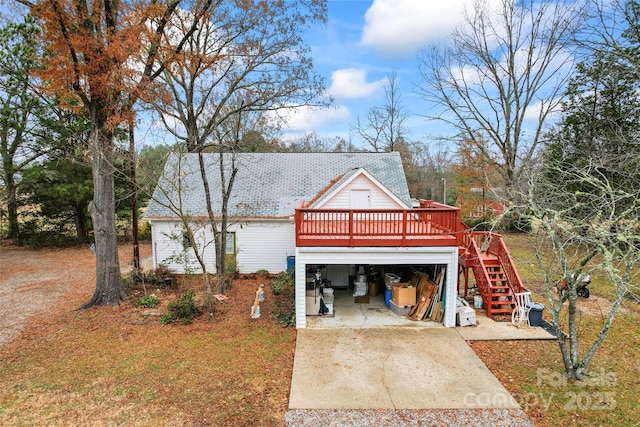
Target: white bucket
477	301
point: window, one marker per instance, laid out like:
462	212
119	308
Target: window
231	243
186	242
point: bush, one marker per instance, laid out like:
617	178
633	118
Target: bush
479	224
32	233
145	231
232	267
148	301
515	223
167	318
183	309
284	303
164	276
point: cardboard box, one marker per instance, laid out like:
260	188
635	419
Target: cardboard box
362	299
399	310
403	295
374	289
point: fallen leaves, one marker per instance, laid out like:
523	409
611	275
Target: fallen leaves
117	365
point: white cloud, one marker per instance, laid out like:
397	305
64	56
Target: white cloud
401	27
352	83
532	113
308	119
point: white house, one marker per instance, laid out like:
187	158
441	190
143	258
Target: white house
336	210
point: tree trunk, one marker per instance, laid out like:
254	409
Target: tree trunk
80	219
109	286
134	198
12	202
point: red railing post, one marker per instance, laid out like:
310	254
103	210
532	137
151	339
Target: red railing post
297	220
404	229
351	228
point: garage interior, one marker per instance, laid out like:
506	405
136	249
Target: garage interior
361	295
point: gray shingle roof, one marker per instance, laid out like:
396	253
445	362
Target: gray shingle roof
267	184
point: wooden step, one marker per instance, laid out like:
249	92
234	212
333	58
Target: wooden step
498	311
501	302
501	295
498	302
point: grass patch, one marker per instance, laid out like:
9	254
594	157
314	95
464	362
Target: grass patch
532	370
148	301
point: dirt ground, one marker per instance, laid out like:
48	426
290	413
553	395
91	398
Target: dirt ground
224	368
595	305
33	282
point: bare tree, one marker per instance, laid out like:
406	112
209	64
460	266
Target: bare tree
608	16
426	167
192	238
312	143
584	193
384	126
502	76
584	233
241	63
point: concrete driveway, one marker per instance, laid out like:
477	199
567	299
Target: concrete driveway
391	368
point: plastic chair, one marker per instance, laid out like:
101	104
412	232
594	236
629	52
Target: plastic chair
523	306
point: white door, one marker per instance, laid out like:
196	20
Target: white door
360	199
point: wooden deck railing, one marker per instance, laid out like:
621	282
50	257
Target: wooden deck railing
498	248
431	226
482	247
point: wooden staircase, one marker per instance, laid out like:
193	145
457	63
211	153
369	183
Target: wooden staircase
496	276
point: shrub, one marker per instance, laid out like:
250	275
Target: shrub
34	234
284	303
167	318
148	301
479	224
145	231
232	268
184	308
164	276
262	272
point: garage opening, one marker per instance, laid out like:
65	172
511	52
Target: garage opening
369	295
341	266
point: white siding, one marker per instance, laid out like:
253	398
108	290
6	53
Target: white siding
168	249
259	245
264	245
378	198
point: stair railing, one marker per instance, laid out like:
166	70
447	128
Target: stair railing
480	272
499	249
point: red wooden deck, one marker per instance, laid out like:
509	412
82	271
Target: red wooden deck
431	225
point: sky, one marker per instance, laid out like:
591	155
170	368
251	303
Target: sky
362	43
